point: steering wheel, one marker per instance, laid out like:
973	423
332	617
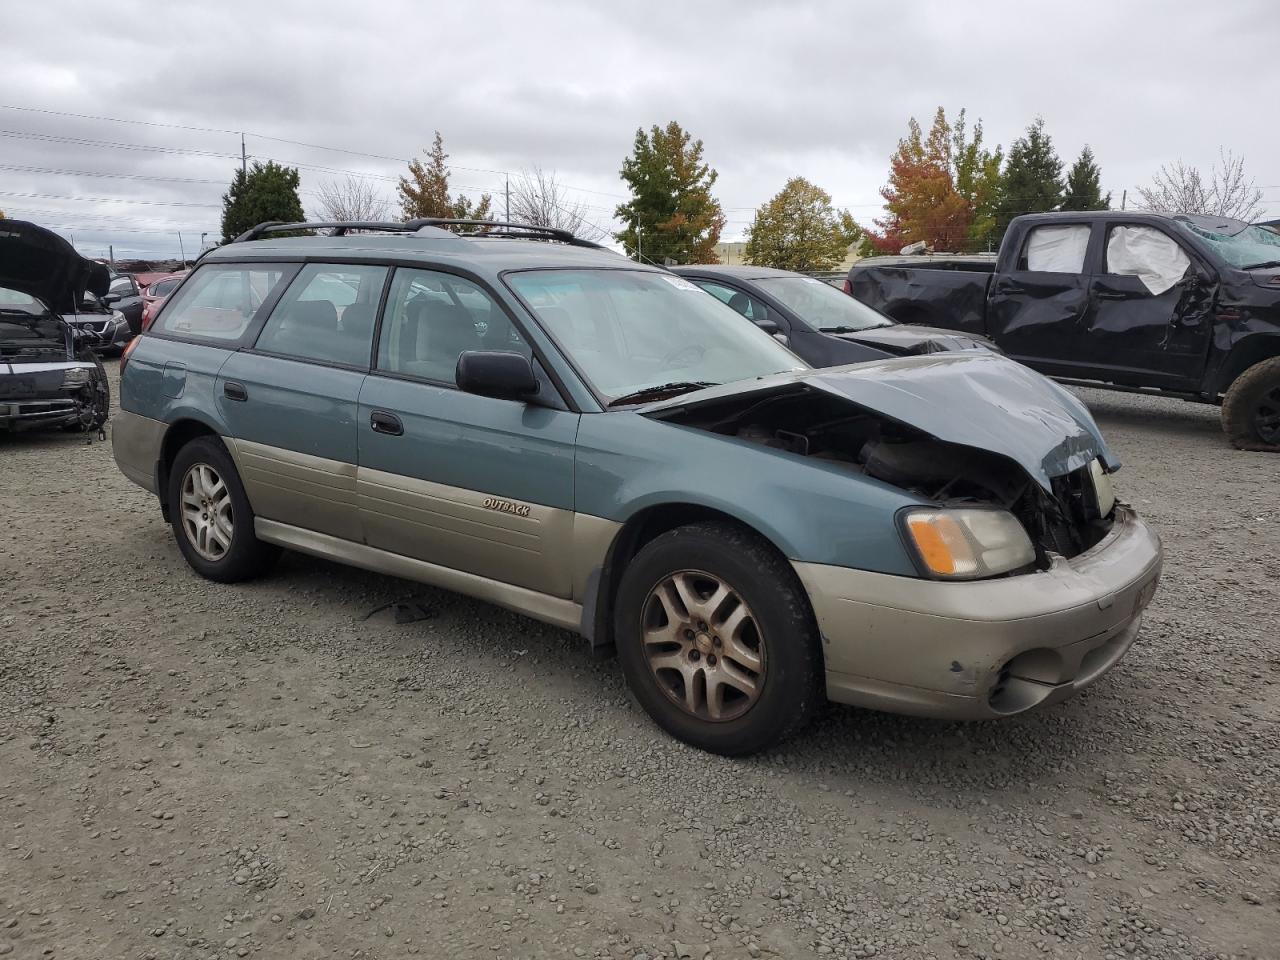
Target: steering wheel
693	351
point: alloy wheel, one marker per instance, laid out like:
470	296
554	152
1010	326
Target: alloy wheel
206	511
704	645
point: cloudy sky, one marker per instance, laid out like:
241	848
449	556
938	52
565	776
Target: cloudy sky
819	89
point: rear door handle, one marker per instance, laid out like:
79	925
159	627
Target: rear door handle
388	423
235	391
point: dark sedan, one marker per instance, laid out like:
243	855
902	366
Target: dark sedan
822	325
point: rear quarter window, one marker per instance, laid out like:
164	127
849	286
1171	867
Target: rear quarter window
220	300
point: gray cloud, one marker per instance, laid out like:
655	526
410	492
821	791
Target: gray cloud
773	89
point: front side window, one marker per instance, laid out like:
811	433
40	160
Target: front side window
326	315
1149	254
744	303
1057	249
163	288
631	330
220	300
822	305
432	318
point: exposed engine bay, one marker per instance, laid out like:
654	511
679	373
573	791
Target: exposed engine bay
813	423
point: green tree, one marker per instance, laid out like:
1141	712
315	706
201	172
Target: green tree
671	214
263	192
798	229
977	179
1032	180
1084	191
425	191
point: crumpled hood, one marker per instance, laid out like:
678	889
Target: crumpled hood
980	400
39	263
903	338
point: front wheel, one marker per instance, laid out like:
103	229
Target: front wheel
1251	408
211	516
717	639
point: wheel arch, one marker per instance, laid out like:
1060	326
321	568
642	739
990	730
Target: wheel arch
642	527
180	432
1244	354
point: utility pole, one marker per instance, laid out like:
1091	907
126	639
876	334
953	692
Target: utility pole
1124	197
244	158
639	255
181	251
111	255
507	215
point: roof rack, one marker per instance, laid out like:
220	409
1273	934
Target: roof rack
492	228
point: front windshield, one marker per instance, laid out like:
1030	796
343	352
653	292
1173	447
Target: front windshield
821	305
12	301
1250	246
630	330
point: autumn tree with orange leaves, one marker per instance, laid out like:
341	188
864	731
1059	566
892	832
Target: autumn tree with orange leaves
942	188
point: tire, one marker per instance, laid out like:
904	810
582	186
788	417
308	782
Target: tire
1251	408
777	633
230	551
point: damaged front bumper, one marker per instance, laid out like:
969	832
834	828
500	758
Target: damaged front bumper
43	394
990	648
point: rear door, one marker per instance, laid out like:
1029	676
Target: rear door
1037	311
467	482
290	400
1152	313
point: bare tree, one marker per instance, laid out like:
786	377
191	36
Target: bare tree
1180	188
350	199
538	199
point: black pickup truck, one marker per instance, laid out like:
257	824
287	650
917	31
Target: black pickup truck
1181	304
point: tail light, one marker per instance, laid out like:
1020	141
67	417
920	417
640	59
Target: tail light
128	351
848	287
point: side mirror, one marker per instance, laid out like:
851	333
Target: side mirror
768	326
492	373
110	298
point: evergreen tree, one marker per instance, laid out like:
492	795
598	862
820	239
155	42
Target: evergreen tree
1084	192
425	192
671	214
264	192
799	230
1032	180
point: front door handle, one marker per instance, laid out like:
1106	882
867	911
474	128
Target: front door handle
235	391
388	423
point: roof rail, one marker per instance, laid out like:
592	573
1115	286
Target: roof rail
517	231
339	228
493	228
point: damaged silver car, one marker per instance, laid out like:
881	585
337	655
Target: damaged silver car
49	374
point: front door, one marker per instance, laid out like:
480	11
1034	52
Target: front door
1036	311
467	482
290	401
1152	312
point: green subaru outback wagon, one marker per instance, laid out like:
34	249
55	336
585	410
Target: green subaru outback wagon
538	422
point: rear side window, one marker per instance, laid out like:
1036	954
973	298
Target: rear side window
432	318
218	302
1057	249
326	315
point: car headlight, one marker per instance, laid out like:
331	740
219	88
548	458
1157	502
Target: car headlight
75	378
1102	487
966	543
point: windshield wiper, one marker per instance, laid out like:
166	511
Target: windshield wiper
840	329
659	391
1261	266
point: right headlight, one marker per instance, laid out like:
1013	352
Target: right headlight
966	543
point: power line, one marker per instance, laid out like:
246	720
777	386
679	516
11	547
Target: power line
156	203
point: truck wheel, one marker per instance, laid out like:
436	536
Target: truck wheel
211	517
717	639
1251	408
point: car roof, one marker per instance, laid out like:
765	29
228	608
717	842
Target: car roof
489	255
710	270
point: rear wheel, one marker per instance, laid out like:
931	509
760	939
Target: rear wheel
1251	408
211	517
717	639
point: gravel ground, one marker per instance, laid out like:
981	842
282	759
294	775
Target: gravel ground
199	771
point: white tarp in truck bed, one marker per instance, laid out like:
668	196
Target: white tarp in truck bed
1147	254
1058	249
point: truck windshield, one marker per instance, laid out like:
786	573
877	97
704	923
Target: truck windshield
1252	246
633	332
821	305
